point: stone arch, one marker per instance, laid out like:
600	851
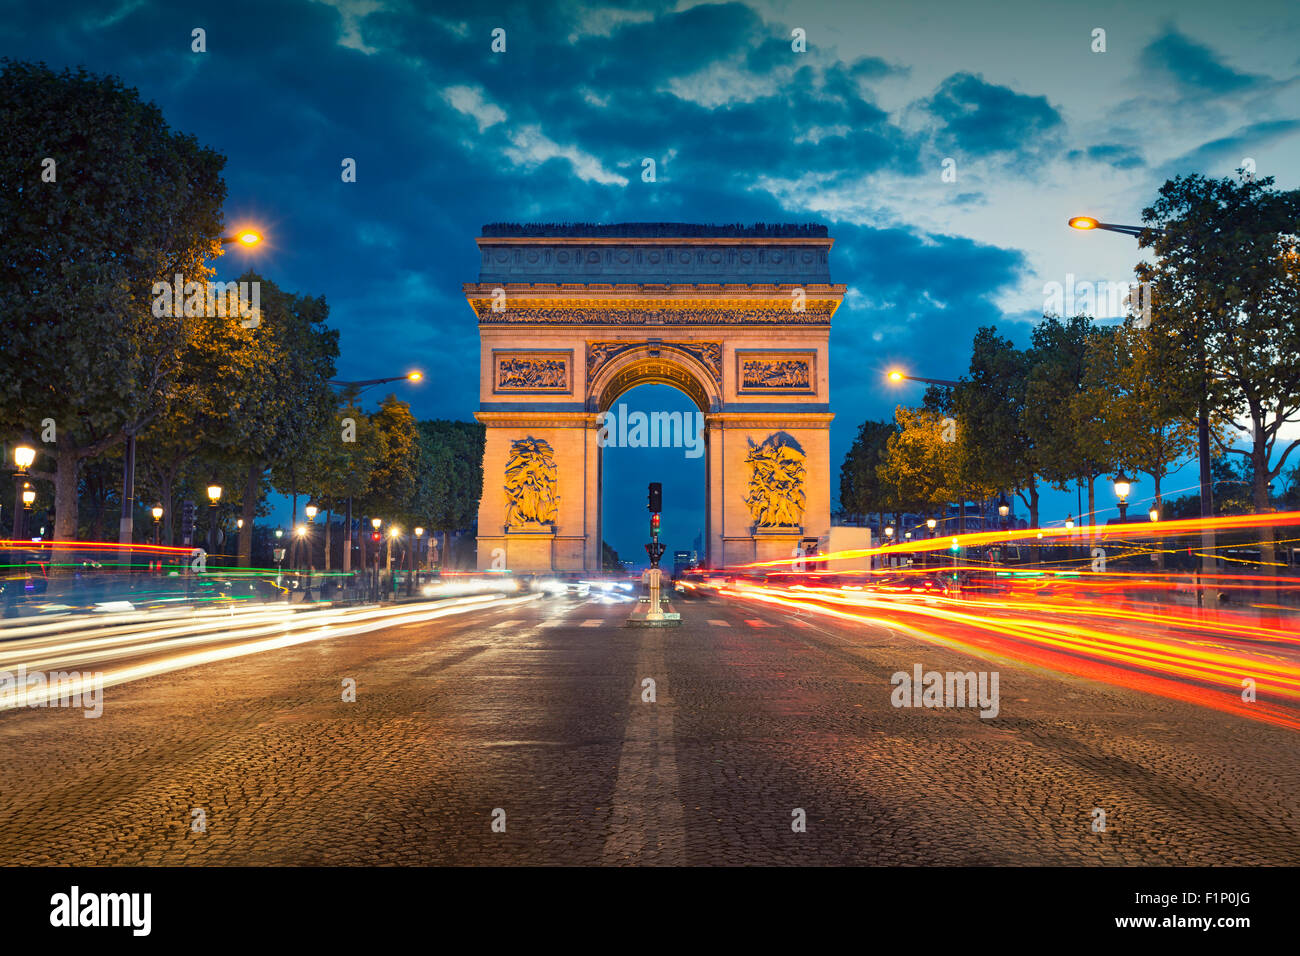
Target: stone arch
648	365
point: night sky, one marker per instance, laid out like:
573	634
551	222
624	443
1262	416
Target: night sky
448	135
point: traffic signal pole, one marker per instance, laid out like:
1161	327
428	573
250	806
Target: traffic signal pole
655	550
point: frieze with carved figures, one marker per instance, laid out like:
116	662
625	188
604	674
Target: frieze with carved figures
816	313
708	354
532	371
776	372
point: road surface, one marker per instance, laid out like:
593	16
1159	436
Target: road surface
524	734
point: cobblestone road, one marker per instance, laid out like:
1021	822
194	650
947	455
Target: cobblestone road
535	716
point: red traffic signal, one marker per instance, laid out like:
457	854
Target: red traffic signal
376	536
654	522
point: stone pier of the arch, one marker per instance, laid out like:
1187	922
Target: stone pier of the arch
572	317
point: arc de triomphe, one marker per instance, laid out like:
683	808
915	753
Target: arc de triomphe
571	317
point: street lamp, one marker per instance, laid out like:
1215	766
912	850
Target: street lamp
1088	222
245	237
310	511
214	496
416	559
1069	522
24	455
931	524
1004	509
1123	487
1154	513
157	512
1208	561
898	377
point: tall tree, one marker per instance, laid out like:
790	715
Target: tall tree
990	407
286	402
860	492
1226	283
99	199
1068	448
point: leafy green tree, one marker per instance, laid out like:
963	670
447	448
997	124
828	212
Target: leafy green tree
449	482
919	466
284	402
127	202
1125	400
990	407
1068	446
860	491
1225	283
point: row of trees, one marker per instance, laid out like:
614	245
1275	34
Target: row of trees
100	201
1085	401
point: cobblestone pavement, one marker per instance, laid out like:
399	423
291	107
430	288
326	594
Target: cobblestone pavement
536	716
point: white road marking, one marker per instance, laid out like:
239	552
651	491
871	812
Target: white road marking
593	622
647	816
717	623
758	622
505	624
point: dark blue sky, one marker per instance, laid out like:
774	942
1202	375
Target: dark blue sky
854	132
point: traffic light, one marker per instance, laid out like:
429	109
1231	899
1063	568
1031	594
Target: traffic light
187	520
656	497
955	547
376	536
654	523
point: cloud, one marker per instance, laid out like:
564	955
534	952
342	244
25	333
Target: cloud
981	119
470	101
1193	66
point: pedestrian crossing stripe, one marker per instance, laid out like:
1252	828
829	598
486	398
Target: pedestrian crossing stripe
594	622
505	624
756	622
717	623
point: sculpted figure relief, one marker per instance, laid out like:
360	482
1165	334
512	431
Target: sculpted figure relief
776	483
530	483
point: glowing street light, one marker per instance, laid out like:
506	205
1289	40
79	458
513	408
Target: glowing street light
157	512
1088	222
1123	488
898	377
1069	522
24	455
376	523
245	237
1154	513
310	511
29	496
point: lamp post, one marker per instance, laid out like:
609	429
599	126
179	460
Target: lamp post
392	581
29	498
375	525
1208	561
126	523
214	496
1123	487
351	391
24	455
157	512
417	558
279	556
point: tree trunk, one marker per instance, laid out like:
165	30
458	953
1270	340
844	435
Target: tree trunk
165	492
328	514
1092	509
67	464
252	485
1263	502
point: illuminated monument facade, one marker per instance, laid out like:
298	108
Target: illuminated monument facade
573	316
